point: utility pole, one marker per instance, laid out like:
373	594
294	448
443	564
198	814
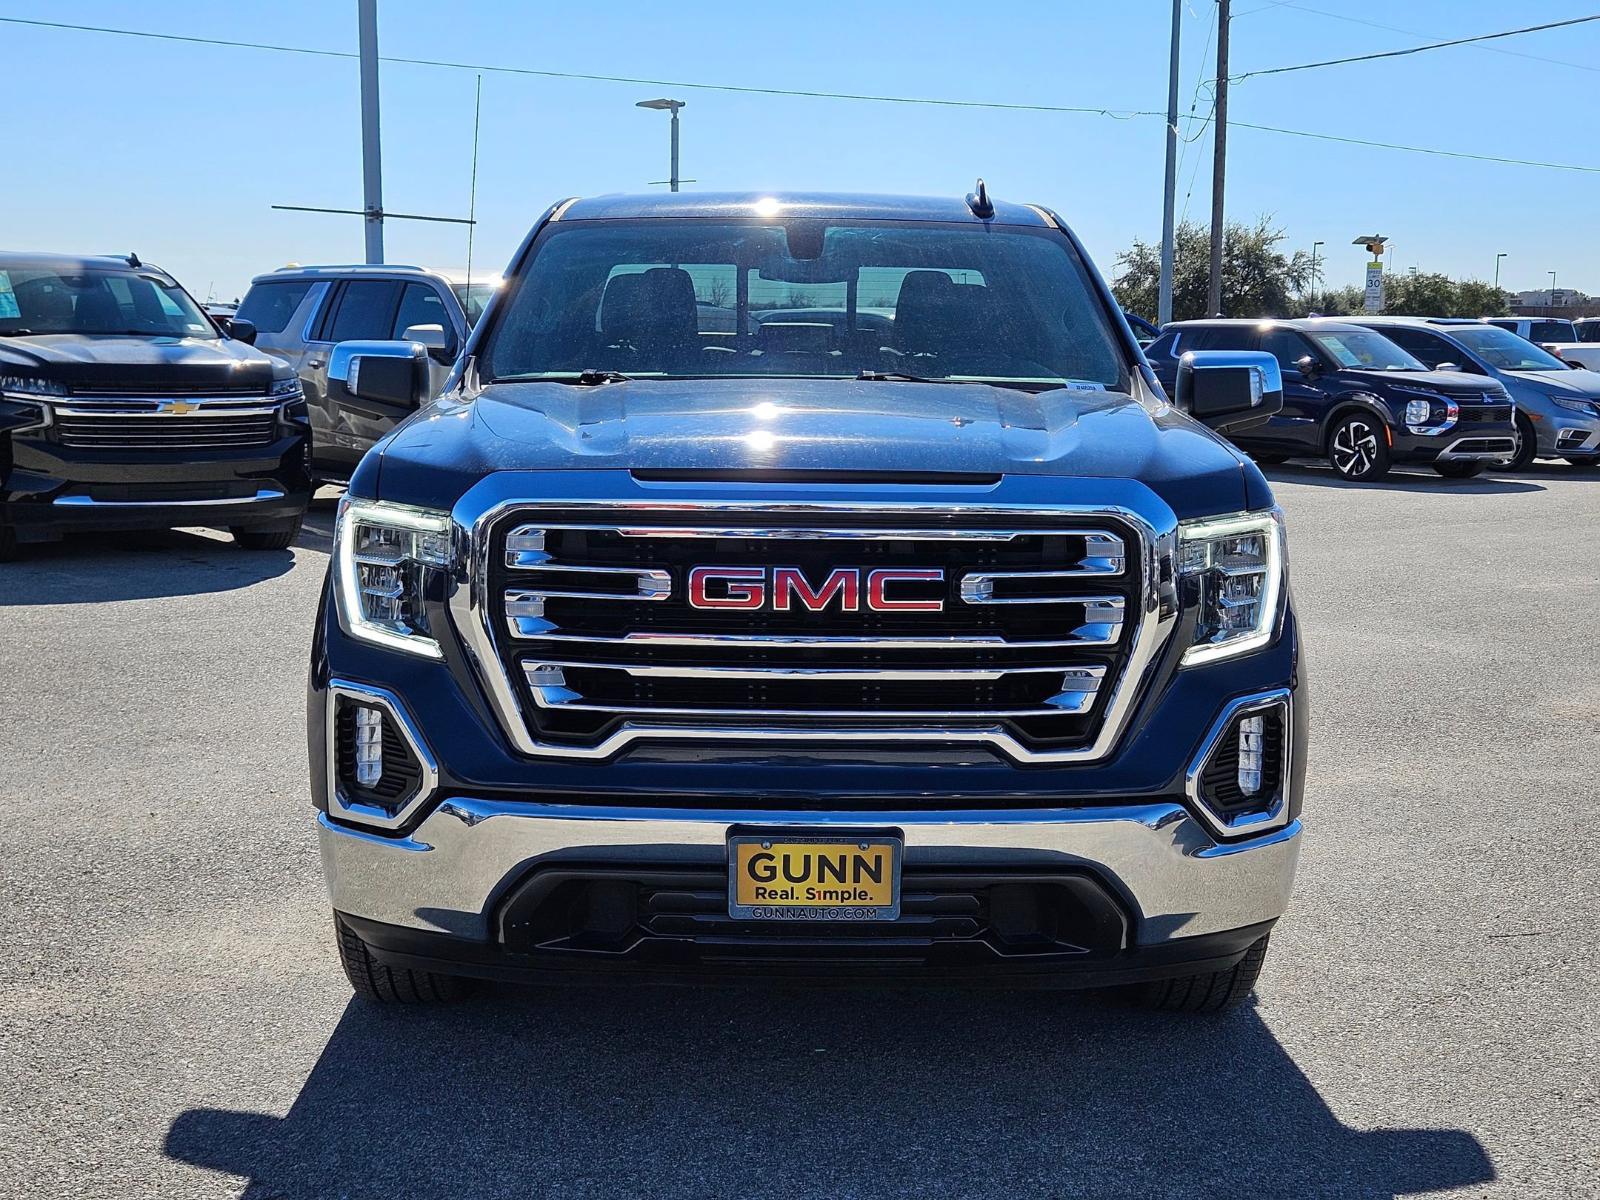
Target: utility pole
371	150
1497	259
1219	161
1170	195
1316	280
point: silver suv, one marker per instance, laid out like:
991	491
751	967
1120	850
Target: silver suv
302	313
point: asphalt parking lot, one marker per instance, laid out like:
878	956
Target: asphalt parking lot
175	1022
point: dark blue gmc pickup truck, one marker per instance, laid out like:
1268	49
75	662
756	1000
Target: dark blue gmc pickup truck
812	587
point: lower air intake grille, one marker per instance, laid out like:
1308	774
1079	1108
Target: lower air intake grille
1219	782
402	773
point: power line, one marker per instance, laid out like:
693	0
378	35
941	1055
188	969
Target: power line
1494	158
1482	37
1305	8
1095	110
1119	114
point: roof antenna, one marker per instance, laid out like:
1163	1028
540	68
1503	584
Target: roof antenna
979	202
133	261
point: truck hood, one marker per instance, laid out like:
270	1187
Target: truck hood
1452	383
106	360
1582	385
885	429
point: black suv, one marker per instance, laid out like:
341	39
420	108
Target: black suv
1355	396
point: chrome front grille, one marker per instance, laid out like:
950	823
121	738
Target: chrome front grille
1029	631
193	423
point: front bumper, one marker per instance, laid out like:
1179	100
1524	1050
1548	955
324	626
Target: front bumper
1476	443
50	490
438	898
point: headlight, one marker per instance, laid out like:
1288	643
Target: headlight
1587	407
285	387
23	385
1237	566
1418	412
383	555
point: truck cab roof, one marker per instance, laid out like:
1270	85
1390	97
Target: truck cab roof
828	205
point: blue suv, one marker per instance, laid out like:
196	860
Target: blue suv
1353	395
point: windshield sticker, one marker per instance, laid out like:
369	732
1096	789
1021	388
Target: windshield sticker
8	299
1346	356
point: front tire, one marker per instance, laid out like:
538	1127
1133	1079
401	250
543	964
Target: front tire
8	544
1209	991
1358	448
373	981
1584	461
1527	446
277	538
1459	470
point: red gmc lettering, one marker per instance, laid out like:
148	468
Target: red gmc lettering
842	581
787	587
879	580
745	587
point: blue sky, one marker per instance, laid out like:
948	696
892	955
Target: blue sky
177	151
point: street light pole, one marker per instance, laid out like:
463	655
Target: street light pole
1316	280
672	106
1552	289
1170	193
1497	259
371	144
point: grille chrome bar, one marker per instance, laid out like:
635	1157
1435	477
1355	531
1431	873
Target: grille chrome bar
804	674
551	689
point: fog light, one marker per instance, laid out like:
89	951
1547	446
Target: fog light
369	746
1252	744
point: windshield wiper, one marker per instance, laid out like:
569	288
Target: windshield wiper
871	376
17	333
589	377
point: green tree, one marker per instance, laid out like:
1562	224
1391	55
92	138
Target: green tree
1258	280
1480	299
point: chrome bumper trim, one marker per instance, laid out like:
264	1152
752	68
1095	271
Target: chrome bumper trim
262	495
446	876
1493	447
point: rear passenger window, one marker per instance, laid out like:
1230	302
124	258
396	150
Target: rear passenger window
270	306
1286	346
366	312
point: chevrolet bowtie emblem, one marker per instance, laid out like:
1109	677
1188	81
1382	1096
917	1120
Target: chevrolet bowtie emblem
178	408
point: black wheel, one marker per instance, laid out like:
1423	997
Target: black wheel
1459	470
1358	448
8	544
277	537
392	985
1210	991
1527	446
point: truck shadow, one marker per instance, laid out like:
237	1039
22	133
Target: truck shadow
90	568
691	1092
1410	479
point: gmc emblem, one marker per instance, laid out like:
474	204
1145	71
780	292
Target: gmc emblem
782	589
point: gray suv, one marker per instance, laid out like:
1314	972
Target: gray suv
302	313
1558	409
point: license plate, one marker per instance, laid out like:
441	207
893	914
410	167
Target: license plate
796	877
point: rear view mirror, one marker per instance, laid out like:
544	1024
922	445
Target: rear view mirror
1229	390
389	372
240	329
439	342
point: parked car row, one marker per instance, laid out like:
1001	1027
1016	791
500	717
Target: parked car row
1371	392
124	404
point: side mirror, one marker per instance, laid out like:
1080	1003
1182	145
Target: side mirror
240	330
1447	366
392	373
434	337
1308	366
1229	390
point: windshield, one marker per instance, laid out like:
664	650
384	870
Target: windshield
687	298
474	298
1366	351
35	300
1503	349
